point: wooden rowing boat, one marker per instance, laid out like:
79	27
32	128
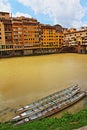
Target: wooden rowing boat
41	106
47	98
53	109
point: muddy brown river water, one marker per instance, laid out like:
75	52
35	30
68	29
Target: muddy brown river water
27	79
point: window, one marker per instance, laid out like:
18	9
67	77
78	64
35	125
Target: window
3	14
0	46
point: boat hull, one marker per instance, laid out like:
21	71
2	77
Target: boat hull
68	102
46	105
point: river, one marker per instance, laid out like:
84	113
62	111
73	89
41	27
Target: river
26	79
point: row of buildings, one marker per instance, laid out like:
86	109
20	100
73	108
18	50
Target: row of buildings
76	37
25	36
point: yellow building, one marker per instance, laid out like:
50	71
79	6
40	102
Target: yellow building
59	39
51	37
4	15
59	35
48	36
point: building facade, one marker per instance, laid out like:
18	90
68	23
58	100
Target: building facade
5	33
2	36
77	37
48	36
51	36
24	36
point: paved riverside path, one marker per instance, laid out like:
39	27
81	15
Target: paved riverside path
82	128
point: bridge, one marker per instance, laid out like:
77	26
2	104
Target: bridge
74	49
47	50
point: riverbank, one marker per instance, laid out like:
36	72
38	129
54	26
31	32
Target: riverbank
82	128
41	51
67	122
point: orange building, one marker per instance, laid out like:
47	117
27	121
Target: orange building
17	34
25	33
5	32
30	32
2	36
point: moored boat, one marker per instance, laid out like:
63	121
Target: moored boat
46	104
47	98
54	109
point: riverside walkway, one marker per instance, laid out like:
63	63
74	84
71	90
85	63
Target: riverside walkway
82	128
